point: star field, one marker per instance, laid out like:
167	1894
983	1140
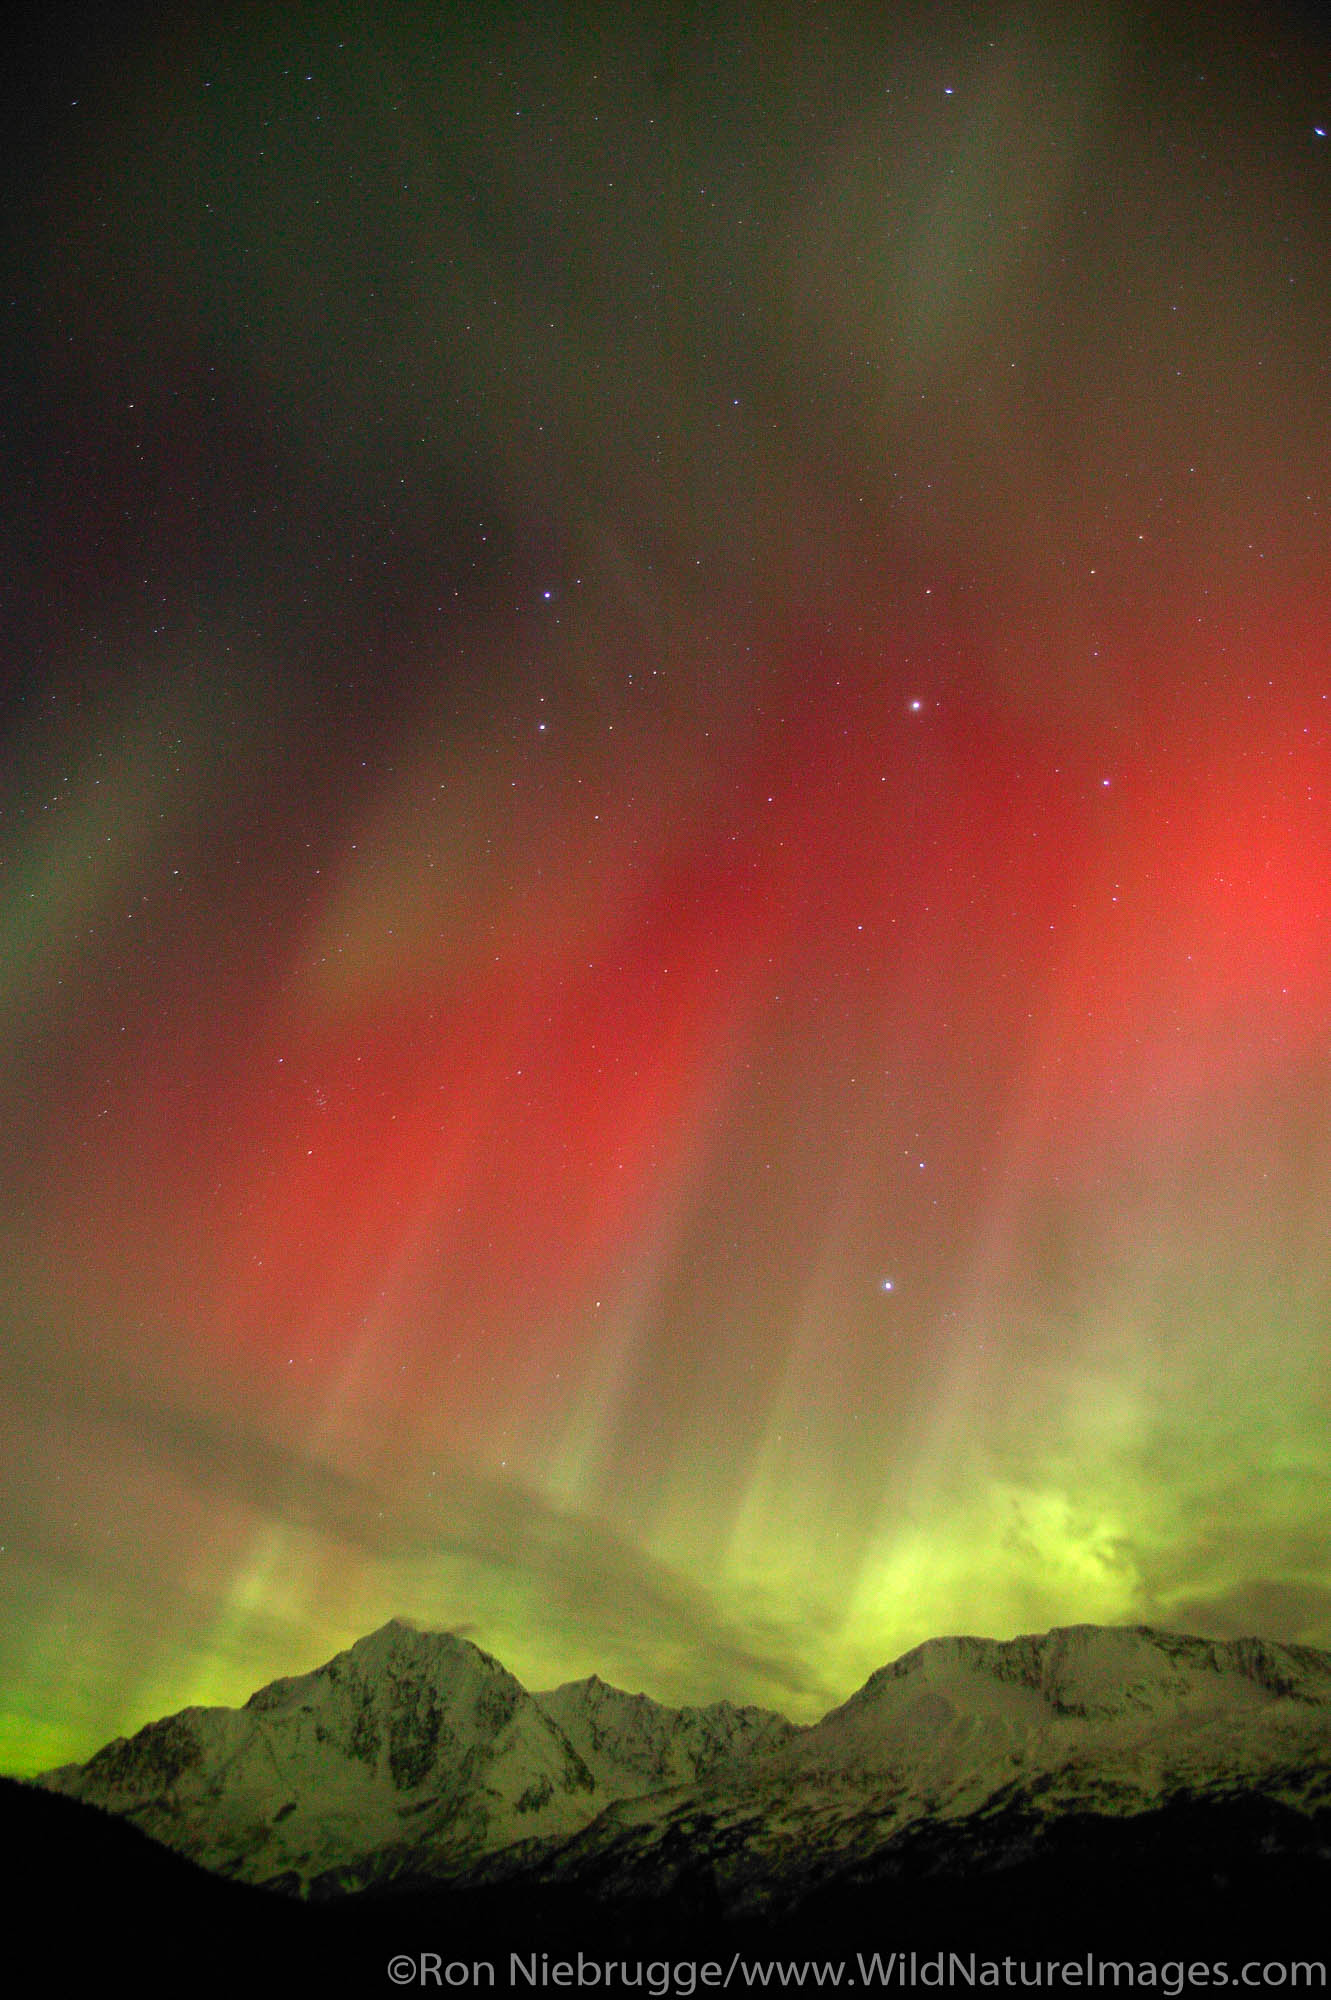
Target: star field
666	851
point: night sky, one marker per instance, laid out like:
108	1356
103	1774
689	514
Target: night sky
665	873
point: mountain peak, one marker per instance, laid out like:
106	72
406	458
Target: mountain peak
1106	1670
400	1638
415	1753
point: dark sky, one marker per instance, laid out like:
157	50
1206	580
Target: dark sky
665	873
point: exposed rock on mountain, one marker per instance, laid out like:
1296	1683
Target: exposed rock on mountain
413	1748
633	1745
416	1758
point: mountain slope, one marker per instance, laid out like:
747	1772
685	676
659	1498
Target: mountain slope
414	1758
633	1745
410	1742
1128	1713
412	1753
983	1743
91	1903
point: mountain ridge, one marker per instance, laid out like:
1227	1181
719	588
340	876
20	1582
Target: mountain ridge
414	1757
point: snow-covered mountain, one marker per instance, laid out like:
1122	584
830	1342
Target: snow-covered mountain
632	1745
416	1757
411	1743
1117	1719
970	1737
413	1753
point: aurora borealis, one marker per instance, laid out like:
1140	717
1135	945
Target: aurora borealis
665	946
